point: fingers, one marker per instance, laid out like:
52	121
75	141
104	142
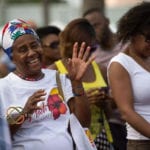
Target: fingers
82	49
38	96
31	104
87	53
92	58
95	96
83	53
75	50
80	61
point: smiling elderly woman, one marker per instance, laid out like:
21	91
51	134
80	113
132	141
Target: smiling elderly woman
37	114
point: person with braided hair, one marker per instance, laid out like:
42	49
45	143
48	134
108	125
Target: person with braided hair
129	75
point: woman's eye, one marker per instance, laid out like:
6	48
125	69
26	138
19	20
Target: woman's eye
23	49
35	45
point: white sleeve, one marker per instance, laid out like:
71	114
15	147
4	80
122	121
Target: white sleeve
66	87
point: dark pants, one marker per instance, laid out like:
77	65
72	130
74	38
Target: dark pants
119	136
138	145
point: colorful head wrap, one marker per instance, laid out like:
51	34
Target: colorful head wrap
11	31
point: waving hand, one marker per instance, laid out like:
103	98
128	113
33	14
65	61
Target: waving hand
78	64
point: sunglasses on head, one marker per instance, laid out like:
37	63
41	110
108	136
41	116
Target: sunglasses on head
53	45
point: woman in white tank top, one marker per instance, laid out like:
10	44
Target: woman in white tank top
129	75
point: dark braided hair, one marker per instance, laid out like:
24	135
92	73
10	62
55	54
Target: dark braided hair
135	21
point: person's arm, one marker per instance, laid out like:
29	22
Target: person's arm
122	92
79	105
77	67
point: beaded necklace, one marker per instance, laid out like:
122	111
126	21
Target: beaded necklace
28	78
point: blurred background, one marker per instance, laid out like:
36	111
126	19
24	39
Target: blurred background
60	12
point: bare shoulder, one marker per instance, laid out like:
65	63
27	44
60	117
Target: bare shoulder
116	70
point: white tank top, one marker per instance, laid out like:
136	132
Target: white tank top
140	79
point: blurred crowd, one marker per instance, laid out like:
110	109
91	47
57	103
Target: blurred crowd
115	82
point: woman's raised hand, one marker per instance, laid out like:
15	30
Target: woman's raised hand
78	64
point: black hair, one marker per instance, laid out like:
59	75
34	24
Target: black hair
136	20
44	31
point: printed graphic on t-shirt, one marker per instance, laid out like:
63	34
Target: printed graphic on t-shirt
53	107
55	103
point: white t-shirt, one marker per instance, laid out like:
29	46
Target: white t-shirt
47	128
140	80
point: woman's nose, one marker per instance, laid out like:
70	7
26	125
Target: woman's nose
31	51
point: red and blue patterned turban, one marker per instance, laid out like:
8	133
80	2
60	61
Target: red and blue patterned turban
11	31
